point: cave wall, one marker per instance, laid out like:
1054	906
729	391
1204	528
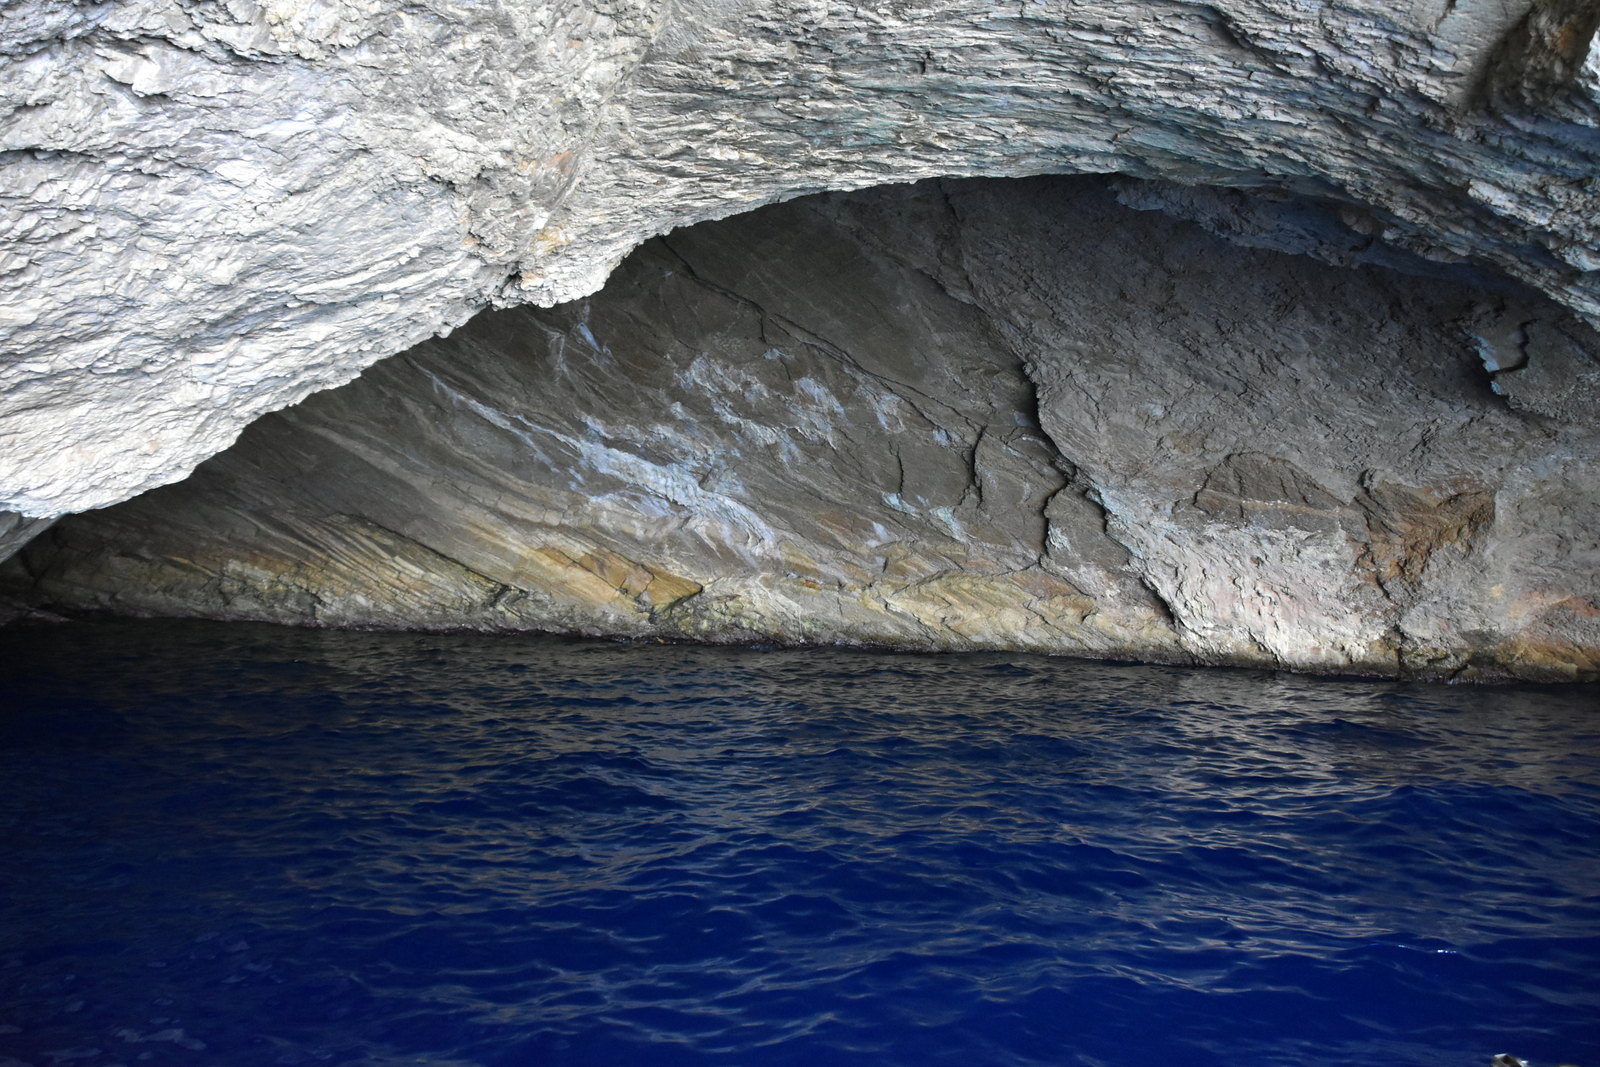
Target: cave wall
960	414
213	208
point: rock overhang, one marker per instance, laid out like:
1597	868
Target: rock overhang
953	415
216	209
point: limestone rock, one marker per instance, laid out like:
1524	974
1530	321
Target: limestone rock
962	414
211	208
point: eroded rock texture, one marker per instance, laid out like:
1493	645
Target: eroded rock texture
951	415
211	208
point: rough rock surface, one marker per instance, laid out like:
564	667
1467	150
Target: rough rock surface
211	208
961	414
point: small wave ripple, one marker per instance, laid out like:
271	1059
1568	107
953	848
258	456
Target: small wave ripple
243	845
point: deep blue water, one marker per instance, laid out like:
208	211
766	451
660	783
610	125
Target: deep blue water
244	845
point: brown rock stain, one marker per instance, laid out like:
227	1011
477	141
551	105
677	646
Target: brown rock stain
1406	526
600	576
990	608
1561	644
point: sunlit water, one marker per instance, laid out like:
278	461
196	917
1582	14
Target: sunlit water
245	845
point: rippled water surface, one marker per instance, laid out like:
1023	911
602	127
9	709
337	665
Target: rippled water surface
245	845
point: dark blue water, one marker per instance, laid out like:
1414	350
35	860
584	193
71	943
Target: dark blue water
243	845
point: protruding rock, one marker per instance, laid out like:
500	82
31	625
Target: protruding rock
210	211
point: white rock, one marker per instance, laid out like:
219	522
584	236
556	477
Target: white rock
210	211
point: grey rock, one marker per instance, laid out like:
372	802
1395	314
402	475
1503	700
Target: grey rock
954	415
212	209
17	530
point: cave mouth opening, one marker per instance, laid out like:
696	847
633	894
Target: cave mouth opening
1088	415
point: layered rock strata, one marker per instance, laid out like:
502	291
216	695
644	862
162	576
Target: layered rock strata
211	208
945	416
